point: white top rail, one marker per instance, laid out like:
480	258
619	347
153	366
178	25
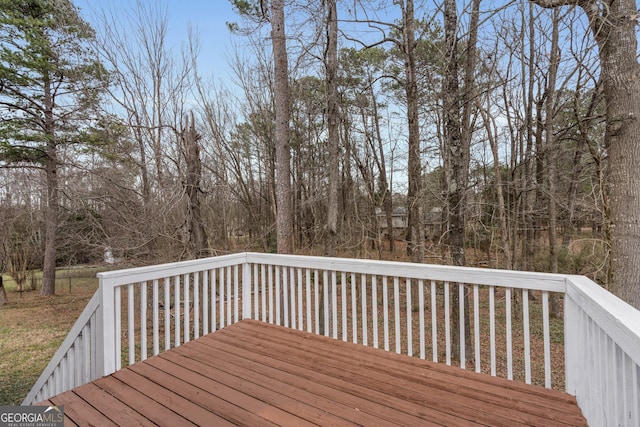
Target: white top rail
470	275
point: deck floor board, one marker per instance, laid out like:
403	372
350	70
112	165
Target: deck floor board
255	374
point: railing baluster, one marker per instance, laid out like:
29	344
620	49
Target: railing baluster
334	303
434	321
354	310
343	299
229	296
263	275
236	294
476	325
447	324
187	311
527	336
117	313
285	295
463	349
421	314
309	301
214	300
396	302
316	283
270	270
167	313
374	308
277	295
205	302
222	296
385	308
508	333
256	292
325	296
409	320
364	314
300	300
176	305
546	339
143	321
196	305
492	329
155	315
131	324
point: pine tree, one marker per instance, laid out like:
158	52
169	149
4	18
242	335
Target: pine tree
49	83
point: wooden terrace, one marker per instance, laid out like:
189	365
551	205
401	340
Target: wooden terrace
256	374
264	339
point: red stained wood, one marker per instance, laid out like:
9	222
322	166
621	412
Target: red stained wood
253	373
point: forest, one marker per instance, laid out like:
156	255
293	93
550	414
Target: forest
493	134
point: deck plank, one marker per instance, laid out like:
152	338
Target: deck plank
256	374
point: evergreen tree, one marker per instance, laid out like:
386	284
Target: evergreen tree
49	83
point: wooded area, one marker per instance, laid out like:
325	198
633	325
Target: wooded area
479	134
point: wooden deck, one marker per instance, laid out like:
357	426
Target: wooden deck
256	374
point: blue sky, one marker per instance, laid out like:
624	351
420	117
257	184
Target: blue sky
208	17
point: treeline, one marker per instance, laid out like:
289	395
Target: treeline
460	129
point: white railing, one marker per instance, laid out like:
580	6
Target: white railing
503	316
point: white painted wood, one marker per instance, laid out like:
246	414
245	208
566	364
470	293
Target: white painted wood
167	313
527	336
221	296
287	301
256	293
343	300
271	302
492	329
325	299
206	301
300	300
374	308
277	294
176	308
214	300
131	329
385	310
421	314
476	326
409	320
236	294
248	291
116	356
309	301
447	324
354	310
463	352
263	277
186	333
143	321
396	310
363	310
546	339
334	303
155	313
196	305
509	333
316	291
434	322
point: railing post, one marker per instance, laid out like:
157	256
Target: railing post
571	345
105	353
246	290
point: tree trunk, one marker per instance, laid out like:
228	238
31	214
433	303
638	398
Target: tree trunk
333	141
198	245
613	25
414	199
284	219
51	170
3	293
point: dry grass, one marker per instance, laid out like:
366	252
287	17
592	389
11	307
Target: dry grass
33	327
